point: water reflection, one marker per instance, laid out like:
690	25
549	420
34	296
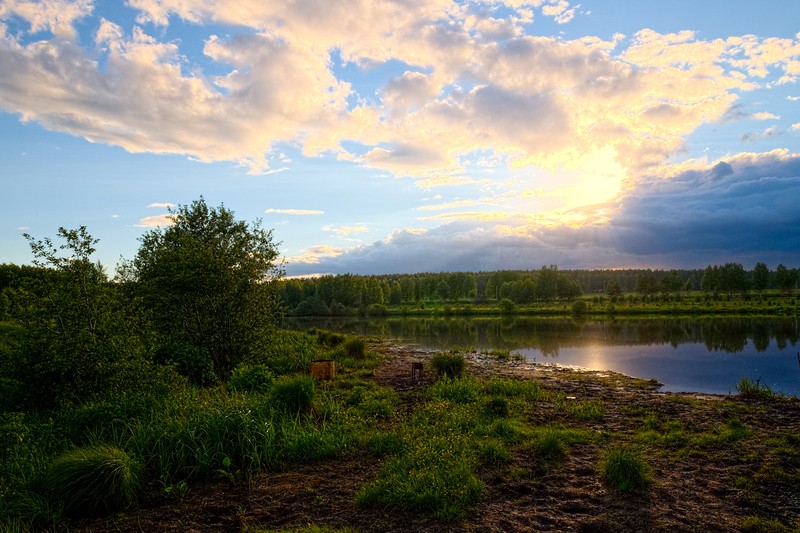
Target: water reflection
549	335
704	355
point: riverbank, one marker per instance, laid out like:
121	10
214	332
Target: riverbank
714	463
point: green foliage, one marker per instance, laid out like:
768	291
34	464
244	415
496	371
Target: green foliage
579	307
448	364
250	378
77	331
514	388
625	471
383	444
754	389
355	347
497	407
193	362
550	445
91	481
285	352
202	279
294	394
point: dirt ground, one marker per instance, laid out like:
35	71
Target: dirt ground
716	490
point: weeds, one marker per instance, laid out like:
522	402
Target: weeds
754	389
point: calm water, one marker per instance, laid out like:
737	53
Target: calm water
686	355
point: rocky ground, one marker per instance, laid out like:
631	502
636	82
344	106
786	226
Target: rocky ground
721	487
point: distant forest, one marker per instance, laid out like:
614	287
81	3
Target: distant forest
332	295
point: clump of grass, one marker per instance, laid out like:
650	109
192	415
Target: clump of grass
94	480
294	394
383	444
625	471
550	445
497	406
251	378
754	389
460	390
448	364
355	347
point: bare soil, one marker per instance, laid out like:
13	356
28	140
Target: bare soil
716	489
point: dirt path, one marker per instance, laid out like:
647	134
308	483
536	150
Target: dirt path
716	489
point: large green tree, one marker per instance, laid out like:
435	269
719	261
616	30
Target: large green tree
205	280
79	340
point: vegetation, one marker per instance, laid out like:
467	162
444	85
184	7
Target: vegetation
545	291
137	389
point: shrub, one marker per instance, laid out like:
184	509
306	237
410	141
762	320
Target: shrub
294	394
194	362
94	480
448	364
579	307
255	378
625	471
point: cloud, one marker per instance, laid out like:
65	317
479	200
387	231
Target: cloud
155	221
298	212
741	209
795	126
346	231
164	205
473	82
756	135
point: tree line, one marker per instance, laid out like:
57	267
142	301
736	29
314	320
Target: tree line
341	294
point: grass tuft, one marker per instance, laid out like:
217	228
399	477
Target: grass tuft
92	481
448	364
625	471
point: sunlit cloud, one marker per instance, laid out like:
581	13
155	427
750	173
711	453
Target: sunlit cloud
298	212
661	222
164	205
155	221
448	205
315	255
346	231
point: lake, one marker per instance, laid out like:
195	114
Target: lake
707	355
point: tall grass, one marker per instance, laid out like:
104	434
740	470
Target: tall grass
94	480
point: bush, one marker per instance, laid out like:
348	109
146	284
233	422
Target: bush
294	394
191	361
579	307
246	378
448	364
625	471
92	481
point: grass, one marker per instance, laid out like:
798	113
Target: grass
448	364
625	471
755	389
92	481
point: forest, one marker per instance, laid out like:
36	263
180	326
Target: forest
348	294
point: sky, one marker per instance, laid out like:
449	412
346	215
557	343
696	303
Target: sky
378	137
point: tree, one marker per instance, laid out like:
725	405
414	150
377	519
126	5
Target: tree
760	277
613	290
646	284
78	339
205	281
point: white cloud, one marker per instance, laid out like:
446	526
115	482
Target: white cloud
299	212
155	221
164	205
474	83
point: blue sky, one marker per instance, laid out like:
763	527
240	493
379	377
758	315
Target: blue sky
382	137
